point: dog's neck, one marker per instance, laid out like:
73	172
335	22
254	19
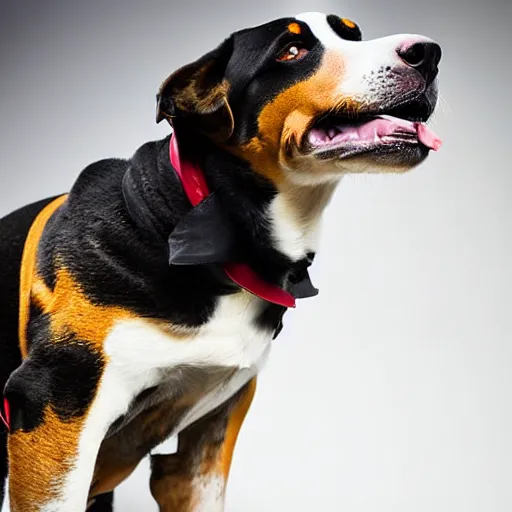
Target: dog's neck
290	213
295	215
275	228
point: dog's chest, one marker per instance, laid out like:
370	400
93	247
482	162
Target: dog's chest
203	369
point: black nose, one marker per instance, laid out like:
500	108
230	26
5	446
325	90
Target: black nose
423	56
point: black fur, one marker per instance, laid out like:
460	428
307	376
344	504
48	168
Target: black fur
121	262
251	87
63	374
103	503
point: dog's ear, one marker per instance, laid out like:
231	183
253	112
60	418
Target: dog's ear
197	94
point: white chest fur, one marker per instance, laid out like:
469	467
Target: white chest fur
142	354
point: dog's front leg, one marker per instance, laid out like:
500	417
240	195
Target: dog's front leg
194	479
60	409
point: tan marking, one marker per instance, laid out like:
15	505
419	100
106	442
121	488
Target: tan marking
236	418
39	461
294	28
284	121
28	266
194	98
71	311
348	23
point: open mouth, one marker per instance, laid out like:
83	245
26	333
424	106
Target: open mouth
391	130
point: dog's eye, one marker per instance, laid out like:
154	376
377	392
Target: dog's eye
293	51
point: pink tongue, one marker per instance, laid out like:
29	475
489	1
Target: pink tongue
376	129
388	125
427	137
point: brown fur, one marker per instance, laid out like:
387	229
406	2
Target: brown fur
57	447
120	454
28	267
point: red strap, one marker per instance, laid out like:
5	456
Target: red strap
196	188
190	175
243	275
7	419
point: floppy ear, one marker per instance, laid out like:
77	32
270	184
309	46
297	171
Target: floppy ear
197	94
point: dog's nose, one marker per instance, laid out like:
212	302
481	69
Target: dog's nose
423	55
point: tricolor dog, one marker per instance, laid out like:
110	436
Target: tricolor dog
143	303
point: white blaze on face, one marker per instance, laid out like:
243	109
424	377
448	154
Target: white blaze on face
367	64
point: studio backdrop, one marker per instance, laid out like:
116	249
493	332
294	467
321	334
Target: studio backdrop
391	390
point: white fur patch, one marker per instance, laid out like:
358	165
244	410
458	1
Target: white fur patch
292	238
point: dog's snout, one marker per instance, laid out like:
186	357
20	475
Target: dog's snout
422	55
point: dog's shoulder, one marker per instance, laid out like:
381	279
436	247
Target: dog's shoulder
117	258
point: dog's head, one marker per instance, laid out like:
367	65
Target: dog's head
305	99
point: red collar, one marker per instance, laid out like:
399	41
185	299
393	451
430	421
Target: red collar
7	419
196	189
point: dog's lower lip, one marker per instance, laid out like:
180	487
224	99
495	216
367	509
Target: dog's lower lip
388	146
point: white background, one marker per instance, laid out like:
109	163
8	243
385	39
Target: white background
391	391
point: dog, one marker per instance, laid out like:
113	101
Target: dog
142	304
